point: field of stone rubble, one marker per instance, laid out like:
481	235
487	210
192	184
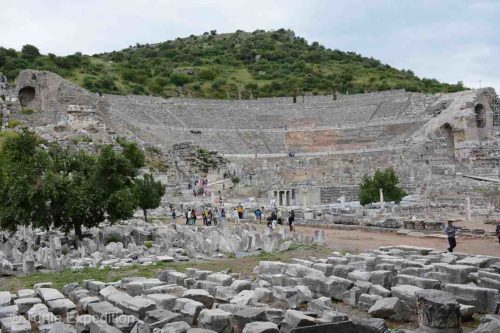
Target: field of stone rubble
420	289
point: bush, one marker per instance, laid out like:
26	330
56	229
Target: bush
148	244
13	123
27	111
208	74
387	180
113	238
179	79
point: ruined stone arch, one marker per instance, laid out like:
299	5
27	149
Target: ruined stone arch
446	133
26	95
480	112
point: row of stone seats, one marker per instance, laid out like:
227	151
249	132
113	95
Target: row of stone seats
194	113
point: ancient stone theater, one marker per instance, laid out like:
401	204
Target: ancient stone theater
305	152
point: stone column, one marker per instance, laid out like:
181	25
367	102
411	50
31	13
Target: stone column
467	209
342	202
438	312
381	198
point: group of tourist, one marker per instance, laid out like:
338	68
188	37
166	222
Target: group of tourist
200	187
276	218
210	217
217	216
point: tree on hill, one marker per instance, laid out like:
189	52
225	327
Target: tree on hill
387	180
148	193
59	188
30	51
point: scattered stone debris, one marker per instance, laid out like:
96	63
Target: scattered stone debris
135	242
393	283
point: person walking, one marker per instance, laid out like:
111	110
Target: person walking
498	230
274	219
216	216
291	219
205	216
451	232
240	212
280	216
193	217
236	216
258	215
222	217
210	217
187	214
174	215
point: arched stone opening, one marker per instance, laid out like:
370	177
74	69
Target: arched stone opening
480	116
26	95
446	132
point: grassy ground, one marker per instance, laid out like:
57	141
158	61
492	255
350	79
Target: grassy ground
242	265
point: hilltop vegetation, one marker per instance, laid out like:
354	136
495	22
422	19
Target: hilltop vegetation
236	65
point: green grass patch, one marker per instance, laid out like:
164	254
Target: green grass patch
13	123
27	111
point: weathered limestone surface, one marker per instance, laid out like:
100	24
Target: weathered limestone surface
438	311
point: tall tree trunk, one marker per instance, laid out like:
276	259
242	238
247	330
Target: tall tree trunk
78	231
145	214
78	234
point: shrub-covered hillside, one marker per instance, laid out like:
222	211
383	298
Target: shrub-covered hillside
236	65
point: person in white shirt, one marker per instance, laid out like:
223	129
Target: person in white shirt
236	216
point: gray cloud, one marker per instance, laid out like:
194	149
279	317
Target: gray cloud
447	40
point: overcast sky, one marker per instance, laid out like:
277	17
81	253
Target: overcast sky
447	40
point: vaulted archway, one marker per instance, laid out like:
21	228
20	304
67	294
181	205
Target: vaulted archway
446	132
26	95
480	112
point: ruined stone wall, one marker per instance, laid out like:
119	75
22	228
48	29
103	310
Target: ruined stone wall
58	109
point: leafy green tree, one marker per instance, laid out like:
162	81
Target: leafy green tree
387	180
30	51
60	188
148	193
22	165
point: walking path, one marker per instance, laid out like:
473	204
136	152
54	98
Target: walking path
358	241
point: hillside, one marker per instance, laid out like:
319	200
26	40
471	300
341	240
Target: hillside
236	65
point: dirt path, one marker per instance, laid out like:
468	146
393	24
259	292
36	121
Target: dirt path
357	241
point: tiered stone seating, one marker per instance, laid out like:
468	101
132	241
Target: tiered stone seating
262	126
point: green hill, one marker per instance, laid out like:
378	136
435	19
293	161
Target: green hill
235	65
